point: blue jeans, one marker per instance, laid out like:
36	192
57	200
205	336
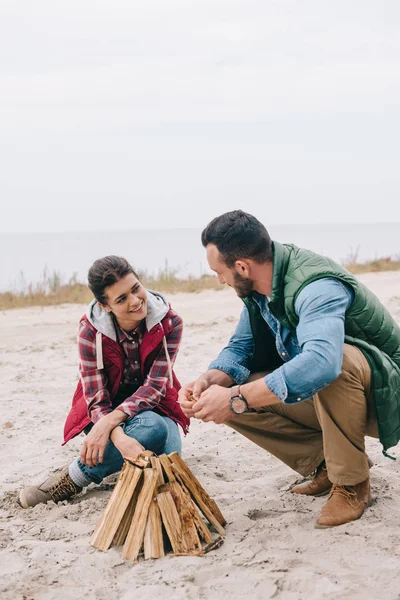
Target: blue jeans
156	433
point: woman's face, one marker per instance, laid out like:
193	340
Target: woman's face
127	300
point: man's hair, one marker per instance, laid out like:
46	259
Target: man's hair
238	235
105	272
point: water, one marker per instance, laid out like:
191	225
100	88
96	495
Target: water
25	256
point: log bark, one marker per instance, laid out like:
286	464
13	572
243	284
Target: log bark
134	539
198	496
166	465
187	513
122	531
153	535
209	502
155	464
118	503
171	521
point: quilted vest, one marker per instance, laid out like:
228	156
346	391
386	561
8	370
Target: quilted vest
368	325
114	359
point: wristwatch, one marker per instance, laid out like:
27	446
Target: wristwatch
238	404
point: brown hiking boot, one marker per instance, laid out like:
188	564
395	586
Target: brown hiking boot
346	503
319	484
57	487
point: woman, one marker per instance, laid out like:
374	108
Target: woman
126	399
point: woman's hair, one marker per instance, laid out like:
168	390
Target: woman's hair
237	235
105	272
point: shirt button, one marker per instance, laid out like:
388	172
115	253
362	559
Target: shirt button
298	399
283	353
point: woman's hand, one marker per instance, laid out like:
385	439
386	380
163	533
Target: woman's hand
93	446
129	447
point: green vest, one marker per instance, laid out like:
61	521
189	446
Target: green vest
368	325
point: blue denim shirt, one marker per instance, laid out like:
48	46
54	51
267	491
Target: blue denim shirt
312	355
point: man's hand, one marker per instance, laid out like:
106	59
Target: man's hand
213	405
93	446
192	391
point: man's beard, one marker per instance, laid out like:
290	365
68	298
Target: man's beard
243	287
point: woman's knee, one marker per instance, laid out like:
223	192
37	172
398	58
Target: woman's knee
149	429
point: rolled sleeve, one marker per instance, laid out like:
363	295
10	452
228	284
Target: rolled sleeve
238	373
276	383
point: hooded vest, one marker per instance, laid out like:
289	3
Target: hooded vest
113	361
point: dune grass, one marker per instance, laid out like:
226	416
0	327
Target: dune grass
52	290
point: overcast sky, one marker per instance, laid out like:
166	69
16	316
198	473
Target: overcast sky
164	113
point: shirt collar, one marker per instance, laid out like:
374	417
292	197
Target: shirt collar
123	335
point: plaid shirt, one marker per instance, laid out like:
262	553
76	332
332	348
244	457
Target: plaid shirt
153	388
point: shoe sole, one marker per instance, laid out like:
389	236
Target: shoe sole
22	501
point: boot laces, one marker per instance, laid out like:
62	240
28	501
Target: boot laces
63	489
348	492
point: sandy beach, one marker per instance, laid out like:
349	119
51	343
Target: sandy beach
271	549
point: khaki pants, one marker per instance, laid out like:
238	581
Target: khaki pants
332	425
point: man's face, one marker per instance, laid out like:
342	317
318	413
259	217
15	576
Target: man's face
243	286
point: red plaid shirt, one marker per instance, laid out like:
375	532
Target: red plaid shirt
153	388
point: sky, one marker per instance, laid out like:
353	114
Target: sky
161	114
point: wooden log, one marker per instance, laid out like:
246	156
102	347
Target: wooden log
186	511
155	464
201	492
166	465
171	521
202	529
198	496
134	539
153	535
212	546
113	514
122	531
142	460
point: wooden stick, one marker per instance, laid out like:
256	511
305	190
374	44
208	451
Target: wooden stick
112	516
153	536
166	465
201	526
142	460
171	521
198	496
155	464
122	531
134	539
212	546
186	511
209	502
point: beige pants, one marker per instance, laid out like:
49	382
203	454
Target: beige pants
331	426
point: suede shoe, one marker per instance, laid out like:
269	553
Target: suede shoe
319	484
346	503
57	487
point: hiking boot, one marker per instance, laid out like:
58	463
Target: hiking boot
319	484
346	503
57	487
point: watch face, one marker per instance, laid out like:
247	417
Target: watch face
238	405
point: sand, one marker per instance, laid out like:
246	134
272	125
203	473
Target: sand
271	549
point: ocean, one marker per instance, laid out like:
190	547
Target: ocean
25	256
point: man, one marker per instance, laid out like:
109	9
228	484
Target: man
330	356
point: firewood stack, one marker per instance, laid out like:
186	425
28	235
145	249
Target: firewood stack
154	509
